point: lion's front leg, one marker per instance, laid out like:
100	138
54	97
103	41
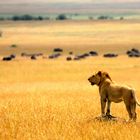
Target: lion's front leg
108	108
108	114
103	105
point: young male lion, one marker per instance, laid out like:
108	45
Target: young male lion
111	92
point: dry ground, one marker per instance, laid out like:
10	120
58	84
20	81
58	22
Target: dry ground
52	99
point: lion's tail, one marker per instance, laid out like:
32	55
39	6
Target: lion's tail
134	95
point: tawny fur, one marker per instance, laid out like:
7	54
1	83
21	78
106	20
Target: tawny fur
111	92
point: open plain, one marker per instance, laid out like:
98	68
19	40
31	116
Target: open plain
52	99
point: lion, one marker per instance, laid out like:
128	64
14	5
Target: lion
112	92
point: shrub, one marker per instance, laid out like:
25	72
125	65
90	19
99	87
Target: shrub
15	18
13	46
2	18
121	18
61	17
26	17
104	17
40	18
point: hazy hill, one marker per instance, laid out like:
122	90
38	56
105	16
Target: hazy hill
68	8
128	10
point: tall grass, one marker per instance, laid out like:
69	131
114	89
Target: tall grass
53	100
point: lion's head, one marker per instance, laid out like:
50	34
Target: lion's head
98	78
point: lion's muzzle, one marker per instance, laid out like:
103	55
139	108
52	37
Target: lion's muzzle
91	82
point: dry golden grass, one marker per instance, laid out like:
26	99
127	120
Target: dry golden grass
52	99
77	36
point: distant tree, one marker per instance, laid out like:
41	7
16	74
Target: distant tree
22	17
102	17
15	18
2	18
40	18
27	17
61	17
121	18
13	46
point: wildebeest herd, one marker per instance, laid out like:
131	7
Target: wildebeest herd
57	52
133	53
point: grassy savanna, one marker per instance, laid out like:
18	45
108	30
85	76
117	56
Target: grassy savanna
48	99
52	99
78	36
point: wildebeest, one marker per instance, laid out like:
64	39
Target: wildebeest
85	55
13	56
110	55
30	55
81	56
9	58
69	58
77	57
135	50
133	53
58	50
33	57
54	56
93	53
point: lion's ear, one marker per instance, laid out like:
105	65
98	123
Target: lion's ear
99	73
107	75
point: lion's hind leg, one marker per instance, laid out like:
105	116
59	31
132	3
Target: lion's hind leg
133	111
128	108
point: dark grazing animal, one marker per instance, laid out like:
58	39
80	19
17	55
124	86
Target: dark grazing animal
58	50
13	56
110	55
68	58
133	53
54	56
93	53
30	55
33	57
9	58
